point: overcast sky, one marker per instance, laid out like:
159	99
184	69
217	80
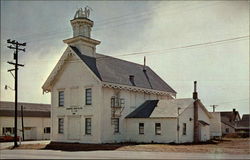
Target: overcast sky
123	27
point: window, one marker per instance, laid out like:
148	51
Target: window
8	131
116	125
61	98
46	130
184	129
88	96
60	125
117	102
157	128
141	128
88	126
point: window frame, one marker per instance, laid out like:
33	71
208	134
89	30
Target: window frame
88	96
88	126
47	130
61	98
184	129
60	125
4	130
116	123
141	128
157	128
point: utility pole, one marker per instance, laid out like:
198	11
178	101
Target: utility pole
178	125
214	106
15	45
22	122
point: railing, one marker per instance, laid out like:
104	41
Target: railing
117	106
117	102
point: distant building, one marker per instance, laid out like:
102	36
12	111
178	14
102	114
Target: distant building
229	121
243	126
101	99
36	118
223	123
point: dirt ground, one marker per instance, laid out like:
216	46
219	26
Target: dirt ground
227	145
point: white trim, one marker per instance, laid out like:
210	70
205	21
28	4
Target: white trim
135	89
47	86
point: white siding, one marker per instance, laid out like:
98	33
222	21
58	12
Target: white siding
74	79
185	118
204	129
215	126
37	124
132	101
168	130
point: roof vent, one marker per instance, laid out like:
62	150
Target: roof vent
144	65
132	79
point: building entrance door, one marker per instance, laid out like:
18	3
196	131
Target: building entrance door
74	127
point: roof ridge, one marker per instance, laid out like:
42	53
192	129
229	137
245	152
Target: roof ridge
121	59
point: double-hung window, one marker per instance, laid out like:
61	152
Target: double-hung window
88	126
141	128
61	98
88	96
116	125
60	125
157	128
184	129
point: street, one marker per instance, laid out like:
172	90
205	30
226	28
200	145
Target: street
50	154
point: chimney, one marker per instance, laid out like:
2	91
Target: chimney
144	65
196	122
234	110
132	79
195	94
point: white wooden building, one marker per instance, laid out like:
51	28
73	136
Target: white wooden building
101	99
36	120
223	123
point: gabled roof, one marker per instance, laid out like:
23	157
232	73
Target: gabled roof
230	115
245	121
117	71
161	108
29	109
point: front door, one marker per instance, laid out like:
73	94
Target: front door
74	128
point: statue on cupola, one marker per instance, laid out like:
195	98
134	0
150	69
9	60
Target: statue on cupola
83	14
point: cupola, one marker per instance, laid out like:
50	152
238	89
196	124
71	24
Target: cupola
82	26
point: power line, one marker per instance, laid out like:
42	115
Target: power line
182	47
176	48
121	24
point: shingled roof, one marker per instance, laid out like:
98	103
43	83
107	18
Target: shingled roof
161	108
29	109
244	122
114	70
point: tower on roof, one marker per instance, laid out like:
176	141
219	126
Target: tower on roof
82	25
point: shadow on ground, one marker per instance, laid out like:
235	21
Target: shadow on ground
108	146
85	147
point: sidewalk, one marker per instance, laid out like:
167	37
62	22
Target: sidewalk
4	145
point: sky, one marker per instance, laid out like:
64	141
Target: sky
183	41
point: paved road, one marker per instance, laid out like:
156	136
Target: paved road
10	144
49	154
